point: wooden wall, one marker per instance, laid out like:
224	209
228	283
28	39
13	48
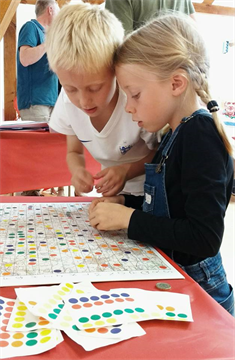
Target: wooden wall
8	31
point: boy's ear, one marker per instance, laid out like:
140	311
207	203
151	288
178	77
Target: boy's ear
179	83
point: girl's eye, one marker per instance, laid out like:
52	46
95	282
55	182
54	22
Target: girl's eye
136	96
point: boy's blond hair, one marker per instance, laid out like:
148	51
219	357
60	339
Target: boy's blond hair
84	36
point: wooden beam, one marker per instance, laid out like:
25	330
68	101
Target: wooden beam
10	70
214	9
7	11
62	2
29	2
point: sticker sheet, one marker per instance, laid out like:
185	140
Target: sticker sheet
89	308
90	317
22	343
45	243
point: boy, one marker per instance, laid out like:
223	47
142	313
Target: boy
91	108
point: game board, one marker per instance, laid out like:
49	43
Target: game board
46	243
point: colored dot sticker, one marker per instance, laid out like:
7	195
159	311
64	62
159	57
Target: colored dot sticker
183	316
118	312
17	344
83	320
106	314
170	314
30	324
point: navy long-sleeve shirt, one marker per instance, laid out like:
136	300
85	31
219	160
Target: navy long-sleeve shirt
199	176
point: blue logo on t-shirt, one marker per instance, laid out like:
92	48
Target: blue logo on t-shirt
124	149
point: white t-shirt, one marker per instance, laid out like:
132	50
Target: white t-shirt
120	141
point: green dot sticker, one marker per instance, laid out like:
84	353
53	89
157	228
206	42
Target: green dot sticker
129	311
31	342
182	316
170	314
32	335
106	314
30	324
118	312
83	320
74	327
52	316
140	310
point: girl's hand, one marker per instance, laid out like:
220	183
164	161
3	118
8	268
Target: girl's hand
82	180
111	180
110	216
119	199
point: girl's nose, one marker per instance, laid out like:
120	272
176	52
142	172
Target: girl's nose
129	109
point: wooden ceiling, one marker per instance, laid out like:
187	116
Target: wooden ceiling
8	31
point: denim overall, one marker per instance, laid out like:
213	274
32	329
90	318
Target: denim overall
208	273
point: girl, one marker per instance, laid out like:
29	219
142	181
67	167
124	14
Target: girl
163	69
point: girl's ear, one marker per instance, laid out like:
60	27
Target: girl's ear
50	10
179	83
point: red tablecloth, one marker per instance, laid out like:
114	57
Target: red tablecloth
35	160
210	336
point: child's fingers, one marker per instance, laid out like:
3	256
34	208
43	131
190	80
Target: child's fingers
103	182
100	174
111	191
93	205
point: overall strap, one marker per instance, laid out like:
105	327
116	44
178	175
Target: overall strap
168	145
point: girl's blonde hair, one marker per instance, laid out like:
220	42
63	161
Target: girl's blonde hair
84	36
166	44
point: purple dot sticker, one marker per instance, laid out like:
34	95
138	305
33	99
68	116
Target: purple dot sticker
73	301
116	330
104	296
115	295
125	295
94	298
84	299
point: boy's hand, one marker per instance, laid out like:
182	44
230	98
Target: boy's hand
112	181
82	180
109	216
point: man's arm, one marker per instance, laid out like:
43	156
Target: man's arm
30	55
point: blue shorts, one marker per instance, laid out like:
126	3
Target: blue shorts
210	275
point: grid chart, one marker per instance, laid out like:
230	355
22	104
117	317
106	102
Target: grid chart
45	243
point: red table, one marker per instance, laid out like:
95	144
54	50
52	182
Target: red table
35	160
210	336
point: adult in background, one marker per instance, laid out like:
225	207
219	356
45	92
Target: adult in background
37	85
134	13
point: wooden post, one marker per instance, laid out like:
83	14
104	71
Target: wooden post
7	11
10	70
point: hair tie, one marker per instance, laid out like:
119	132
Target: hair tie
212	106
